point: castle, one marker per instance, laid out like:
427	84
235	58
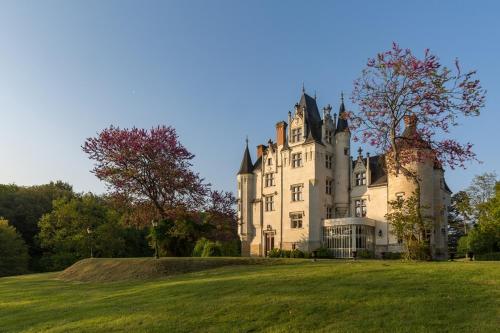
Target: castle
306	191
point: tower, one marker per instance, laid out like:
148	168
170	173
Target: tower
246	194
342	164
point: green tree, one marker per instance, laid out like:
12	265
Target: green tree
485	237
481	190
24	206
407	225
77	225
13	251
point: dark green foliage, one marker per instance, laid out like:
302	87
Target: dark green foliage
212	249
13	251
24	206
492	256
296	253
323	252
275	253
393	255
231	248
199	246
64	233
365	254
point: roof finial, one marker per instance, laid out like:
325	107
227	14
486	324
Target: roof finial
314	94
246	141
303	88
342	96
360	151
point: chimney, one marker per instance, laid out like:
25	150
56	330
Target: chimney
260	151
281	133
410	120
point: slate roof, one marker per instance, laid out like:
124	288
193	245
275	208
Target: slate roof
378	171
246	163
342	124
312	118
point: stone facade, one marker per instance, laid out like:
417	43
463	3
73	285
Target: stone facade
305	190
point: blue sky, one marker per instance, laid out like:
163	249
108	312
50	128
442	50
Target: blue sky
215	70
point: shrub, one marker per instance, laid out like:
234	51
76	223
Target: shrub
13	251
231	248
274	253
296	254
365	254
492	256
463	246
212	249
323	252
392	255
199	247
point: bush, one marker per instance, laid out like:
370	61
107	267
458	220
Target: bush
492	256
274	253
199	247
392	255
231	248
296	254
323	252
212	249
13	251
365	254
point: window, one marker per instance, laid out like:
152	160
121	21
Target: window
329	136
296	192
296	134
360	206
296	160
346	151
329	186
329	212
269	203
296	220
328	161
400	196
269	161
269	179
360	178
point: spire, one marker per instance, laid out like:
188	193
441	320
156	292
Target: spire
342	125
246	162
303	88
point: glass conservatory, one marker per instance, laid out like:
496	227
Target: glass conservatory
345	235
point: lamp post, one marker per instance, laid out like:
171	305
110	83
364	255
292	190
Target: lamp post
155	231
89	232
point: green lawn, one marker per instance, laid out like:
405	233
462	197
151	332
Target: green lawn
304	296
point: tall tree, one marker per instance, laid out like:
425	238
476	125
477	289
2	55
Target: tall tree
397	85
13	251
481	190
147	168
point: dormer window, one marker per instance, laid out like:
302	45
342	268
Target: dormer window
269	161
360	178
296	134
329	136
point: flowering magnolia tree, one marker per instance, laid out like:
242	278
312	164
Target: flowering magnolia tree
150	169
397	86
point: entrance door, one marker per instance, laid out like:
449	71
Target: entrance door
269	243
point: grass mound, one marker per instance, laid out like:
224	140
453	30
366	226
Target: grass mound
125	269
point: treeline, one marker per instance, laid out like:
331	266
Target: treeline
474	219
49	227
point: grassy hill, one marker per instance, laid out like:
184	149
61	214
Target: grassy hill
298	296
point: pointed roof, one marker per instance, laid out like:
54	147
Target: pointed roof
246	162
311	116
342	125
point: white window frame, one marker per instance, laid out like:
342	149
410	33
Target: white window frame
296	160
360	178
329	212
269	203
328	161
296	134
296	220
329	186
360	208
296	192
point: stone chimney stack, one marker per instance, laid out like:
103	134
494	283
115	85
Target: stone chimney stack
281	133
410	120
260	150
